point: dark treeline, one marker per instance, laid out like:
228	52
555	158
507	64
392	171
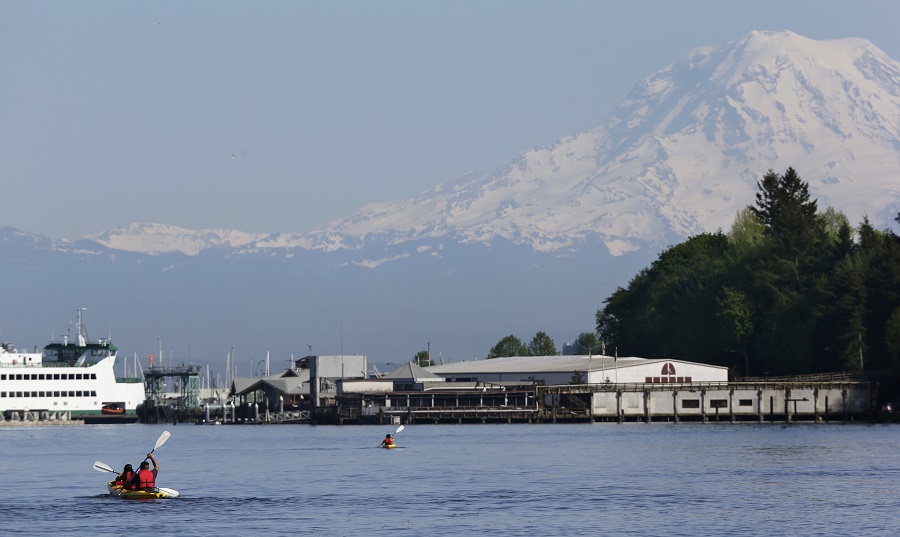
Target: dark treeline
789	290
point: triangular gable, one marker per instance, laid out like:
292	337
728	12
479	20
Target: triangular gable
410	371
289	385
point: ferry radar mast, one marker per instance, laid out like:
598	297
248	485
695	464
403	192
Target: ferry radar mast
82	331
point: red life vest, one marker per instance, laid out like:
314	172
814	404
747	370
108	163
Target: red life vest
145	479
126	478
388	441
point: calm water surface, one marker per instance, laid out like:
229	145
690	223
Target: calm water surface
587	479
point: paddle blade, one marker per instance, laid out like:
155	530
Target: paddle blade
171	493
398	429
162	440
102	467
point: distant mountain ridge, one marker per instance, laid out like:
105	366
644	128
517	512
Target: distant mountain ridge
679	156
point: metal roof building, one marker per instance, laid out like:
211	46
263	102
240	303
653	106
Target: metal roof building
551	370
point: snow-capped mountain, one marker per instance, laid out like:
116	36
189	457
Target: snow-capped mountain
683	152
680	155
156	239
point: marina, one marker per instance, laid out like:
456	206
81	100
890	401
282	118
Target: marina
73	381
315	392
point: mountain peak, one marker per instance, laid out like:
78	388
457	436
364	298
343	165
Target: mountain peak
682	153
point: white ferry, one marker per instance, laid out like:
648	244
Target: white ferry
69	380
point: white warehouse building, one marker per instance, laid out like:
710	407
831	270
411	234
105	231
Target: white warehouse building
555	370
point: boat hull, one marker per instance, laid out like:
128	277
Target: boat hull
119	492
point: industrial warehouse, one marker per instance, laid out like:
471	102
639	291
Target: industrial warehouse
540	389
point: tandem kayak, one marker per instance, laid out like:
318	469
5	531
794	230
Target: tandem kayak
119	492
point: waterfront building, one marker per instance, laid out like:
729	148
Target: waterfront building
595	369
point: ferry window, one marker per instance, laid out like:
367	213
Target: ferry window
41	377
34	376
18	394
78	393
93	376
78	376
55	394
18	377
690	403
71	394
40	394
27	394
2	394
71	376
93	393
718	403
56	376
2	377
34	394
745	402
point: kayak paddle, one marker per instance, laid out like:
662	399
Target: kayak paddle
395	432
171	493
159	442
103	467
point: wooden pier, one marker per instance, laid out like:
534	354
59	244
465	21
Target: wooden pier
762	401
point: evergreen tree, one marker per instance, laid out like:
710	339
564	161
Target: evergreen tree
508	346
542	345
587	343
785	210
892	340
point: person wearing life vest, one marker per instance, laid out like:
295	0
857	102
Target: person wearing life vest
145	478
388	440
125	476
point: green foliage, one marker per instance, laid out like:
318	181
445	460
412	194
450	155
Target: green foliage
423	359
508	346
587	343
542	345
788	290
892	337
747	232
669	309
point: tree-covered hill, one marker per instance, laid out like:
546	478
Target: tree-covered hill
789	290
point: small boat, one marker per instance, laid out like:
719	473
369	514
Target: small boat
158	492
389	446
112	408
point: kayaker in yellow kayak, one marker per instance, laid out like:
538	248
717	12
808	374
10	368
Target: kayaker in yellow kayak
388	441
125	476
145	478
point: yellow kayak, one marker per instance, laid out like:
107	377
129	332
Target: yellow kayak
119	492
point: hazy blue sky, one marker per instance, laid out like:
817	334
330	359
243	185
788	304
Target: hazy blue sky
124	111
